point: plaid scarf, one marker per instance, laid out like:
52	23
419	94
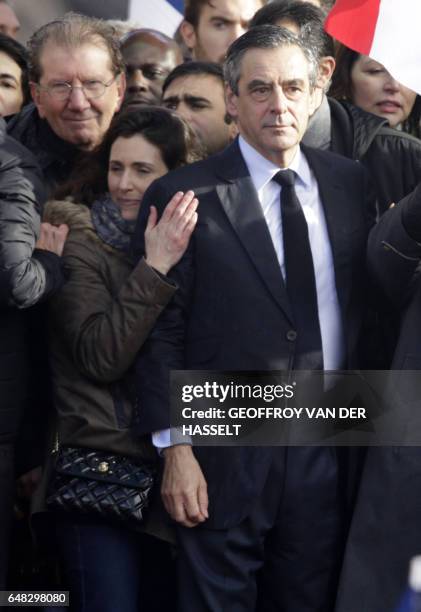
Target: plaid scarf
110	225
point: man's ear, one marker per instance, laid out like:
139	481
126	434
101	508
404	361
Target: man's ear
326	67
231	102
37	98
121	90
188	33
314	101
233	131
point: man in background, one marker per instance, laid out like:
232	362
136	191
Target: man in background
210	26
77	83
195	90
149	57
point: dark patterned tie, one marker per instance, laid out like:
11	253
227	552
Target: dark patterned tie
300	278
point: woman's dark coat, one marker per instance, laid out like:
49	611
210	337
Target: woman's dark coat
392	157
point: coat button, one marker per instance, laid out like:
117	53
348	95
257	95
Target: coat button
291	335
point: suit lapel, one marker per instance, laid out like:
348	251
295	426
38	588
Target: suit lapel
239	200
334	197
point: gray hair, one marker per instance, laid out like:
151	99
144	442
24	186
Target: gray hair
74	30
266	37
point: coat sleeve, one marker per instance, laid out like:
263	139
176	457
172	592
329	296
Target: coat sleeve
393	254
26	276
164	349
103	331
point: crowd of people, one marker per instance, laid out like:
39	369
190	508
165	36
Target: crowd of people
244	196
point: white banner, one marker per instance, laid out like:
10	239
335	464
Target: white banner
157	14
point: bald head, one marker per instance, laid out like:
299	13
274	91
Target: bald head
149	57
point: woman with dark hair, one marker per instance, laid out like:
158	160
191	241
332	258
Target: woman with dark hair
14	83
366	83
372	117
98	323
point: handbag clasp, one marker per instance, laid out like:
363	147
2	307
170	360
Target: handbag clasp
103	467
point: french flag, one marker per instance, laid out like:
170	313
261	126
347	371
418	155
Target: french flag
162	15
386	30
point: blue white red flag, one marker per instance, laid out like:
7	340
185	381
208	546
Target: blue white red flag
386	30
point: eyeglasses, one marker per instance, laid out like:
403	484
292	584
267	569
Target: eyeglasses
61	90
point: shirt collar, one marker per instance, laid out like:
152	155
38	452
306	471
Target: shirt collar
262	170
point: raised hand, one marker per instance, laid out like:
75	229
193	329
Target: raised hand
167	240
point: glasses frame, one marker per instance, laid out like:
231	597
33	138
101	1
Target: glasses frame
47	88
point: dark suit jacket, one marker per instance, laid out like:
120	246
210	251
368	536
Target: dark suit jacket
231	311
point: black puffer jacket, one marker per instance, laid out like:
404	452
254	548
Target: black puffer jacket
393	158
55	157
26	276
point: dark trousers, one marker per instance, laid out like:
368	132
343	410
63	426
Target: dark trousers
112	568
284	557
6	506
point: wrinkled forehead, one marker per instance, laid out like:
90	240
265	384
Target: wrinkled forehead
201	85
236	10
93	56
286	62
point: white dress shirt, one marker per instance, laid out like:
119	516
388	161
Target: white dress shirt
268	192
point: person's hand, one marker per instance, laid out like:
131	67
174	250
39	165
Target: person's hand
184	489
52	238
167	240
27	483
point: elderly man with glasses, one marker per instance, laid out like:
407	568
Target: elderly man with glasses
77	84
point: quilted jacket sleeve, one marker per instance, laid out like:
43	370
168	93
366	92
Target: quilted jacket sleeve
26	276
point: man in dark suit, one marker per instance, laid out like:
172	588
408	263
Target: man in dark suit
271	281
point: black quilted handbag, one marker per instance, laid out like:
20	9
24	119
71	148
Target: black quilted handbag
100	483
